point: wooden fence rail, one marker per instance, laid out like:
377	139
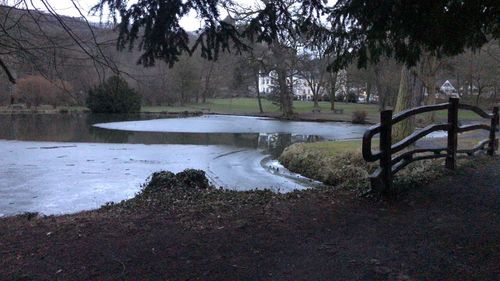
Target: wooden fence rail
381	179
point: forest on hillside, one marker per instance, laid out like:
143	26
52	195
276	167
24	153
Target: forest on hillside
57	59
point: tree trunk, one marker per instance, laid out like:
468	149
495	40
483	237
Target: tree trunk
479	92
204	93
203	97
459	93
315	97
333	84
368	91
12	86
428	69
405	100
431	99
206	85
182	98
382	95
471	75
197	97
284	92
281	58
494	94
181	92
256	75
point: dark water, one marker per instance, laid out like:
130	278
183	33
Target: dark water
79	128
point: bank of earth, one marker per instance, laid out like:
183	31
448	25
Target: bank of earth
179	228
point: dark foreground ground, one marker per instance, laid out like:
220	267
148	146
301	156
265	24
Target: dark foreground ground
448	230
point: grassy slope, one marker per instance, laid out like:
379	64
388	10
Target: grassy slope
333	163
249	106
333	148
338	162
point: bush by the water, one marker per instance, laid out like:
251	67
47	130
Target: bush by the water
168	192
348	168
351	97
359	117
187	179
333	170
113	96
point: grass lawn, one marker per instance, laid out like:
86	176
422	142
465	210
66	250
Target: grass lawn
303	108
332	148
236	105
249	106
337	162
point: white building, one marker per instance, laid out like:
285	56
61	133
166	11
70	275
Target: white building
300	87
266	83
448	89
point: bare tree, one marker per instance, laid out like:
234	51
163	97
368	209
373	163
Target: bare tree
44	39
314	71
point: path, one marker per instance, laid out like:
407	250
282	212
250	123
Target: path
449	230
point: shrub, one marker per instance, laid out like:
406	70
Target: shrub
36	90
349	169
187	179
192	178
352	97
340	97
344	167
113	96
359	117
161	180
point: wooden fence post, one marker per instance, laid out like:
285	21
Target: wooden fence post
385	149
452	133
492	146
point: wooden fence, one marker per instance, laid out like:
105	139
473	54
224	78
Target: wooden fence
381	179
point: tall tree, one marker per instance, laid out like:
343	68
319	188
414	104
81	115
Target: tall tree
256	60
282	42
385	71
185	80
333	87
282	57
313	72
408	86
427	72
35	37
360	30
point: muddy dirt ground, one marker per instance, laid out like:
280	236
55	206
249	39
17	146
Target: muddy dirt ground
448	230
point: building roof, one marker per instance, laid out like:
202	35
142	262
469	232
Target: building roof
447	87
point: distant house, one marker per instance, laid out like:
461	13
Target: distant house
266	83
301	89
448	89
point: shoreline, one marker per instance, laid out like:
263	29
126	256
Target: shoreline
301	117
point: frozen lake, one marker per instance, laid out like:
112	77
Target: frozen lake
57	164
239	124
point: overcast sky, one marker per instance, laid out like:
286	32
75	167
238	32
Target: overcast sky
66	7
